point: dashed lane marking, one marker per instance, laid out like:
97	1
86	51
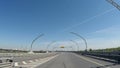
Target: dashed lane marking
24	62
44	61
16	63
31	61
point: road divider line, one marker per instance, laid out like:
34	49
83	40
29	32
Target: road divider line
86	59
44	61
24	62
16	64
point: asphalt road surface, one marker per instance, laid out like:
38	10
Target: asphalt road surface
71	60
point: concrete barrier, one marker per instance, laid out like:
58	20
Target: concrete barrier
7	64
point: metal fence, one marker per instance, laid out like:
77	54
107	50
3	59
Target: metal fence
108	55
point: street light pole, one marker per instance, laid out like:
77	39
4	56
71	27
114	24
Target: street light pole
81	38
114	4
50	45
34	41
76	44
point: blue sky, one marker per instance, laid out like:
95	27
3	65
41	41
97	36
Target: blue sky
22	20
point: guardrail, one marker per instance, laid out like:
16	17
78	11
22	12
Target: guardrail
107	55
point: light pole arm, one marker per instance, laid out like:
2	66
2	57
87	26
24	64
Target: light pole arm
81	38
35	40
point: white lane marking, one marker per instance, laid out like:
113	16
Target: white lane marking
31	61
44	61
24	62
86	59
16	64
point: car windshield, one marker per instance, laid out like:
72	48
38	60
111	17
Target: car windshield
59	33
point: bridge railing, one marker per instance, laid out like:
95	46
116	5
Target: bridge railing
108	55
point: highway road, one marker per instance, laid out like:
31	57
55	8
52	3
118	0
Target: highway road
71	60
